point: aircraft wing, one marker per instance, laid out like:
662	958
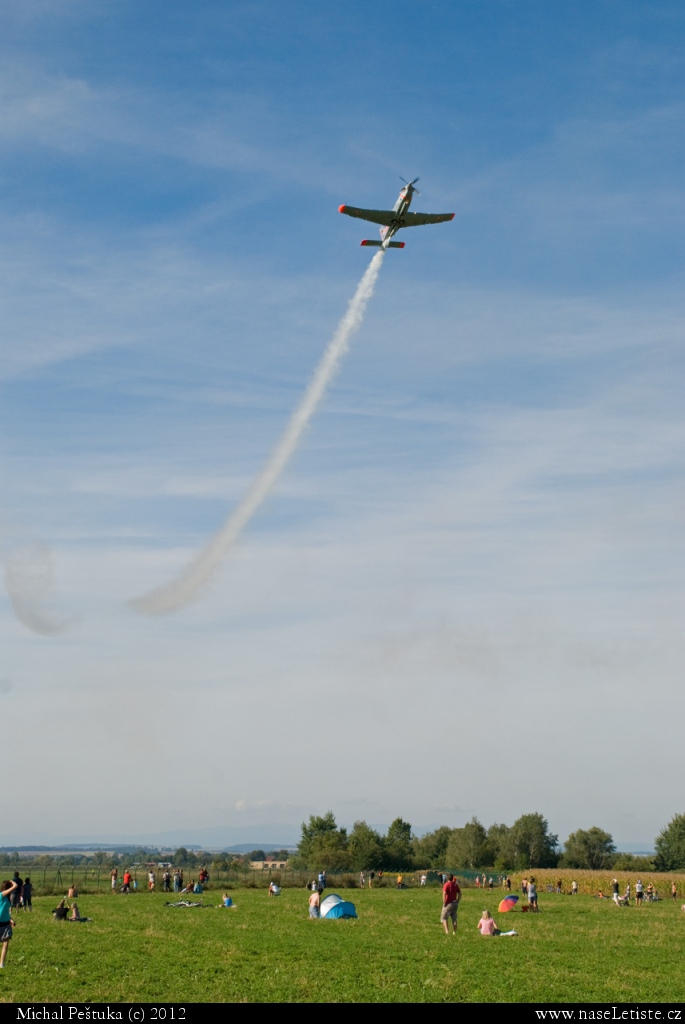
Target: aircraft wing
388	217
415	219
375	216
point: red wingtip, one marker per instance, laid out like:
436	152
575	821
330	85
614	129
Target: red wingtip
401	244
341	209
453	216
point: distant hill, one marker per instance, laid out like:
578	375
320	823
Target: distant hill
226	837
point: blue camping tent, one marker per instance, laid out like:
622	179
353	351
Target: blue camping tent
336	906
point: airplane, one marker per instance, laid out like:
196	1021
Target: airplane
398	217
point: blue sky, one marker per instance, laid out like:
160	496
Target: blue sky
473	568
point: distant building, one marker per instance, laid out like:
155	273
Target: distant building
268	865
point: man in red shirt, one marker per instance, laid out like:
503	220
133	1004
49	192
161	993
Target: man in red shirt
451	894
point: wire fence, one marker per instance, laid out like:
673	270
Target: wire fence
54	879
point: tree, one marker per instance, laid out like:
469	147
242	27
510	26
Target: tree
591	848
323	844
254	855
430	850
365	847
329	852
398	845
670	845
632	862
468	847
500	847
534	846
319	825
182	856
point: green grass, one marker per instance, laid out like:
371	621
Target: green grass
577	948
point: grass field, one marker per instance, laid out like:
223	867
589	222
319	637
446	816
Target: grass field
577	948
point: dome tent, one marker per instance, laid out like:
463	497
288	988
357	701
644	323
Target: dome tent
336	906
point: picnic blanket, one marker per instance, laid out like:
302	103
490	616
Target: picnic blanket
186	903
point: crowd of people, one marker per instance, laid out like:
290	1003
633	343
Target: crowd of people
129	883
17	894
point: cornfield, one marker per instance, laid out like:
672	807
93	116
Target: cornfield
592	882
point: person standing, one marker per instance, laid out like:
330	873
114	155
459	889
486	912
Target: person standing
7	891
451	894
126	881
524	886
151	880
362	880
15	898
27	895
177	880
507	882
372	875
639	893
166	879
614	890
315	904
114	874
532	895
424	879
674	891
574	888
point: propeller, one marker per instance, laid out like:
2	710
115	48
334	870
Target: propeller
411	184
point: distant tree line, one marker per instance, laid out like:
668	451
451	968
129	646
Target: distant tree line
528	843
324	845
106	860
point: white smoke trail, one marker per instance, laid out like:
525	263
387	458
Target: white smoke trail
185	586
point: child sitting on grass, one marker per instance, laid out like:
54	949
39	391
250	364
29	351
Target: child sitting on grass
76	914
488	926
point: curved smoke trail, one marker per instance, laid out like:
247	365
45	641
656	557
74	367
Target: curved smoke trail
30	583
199	572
